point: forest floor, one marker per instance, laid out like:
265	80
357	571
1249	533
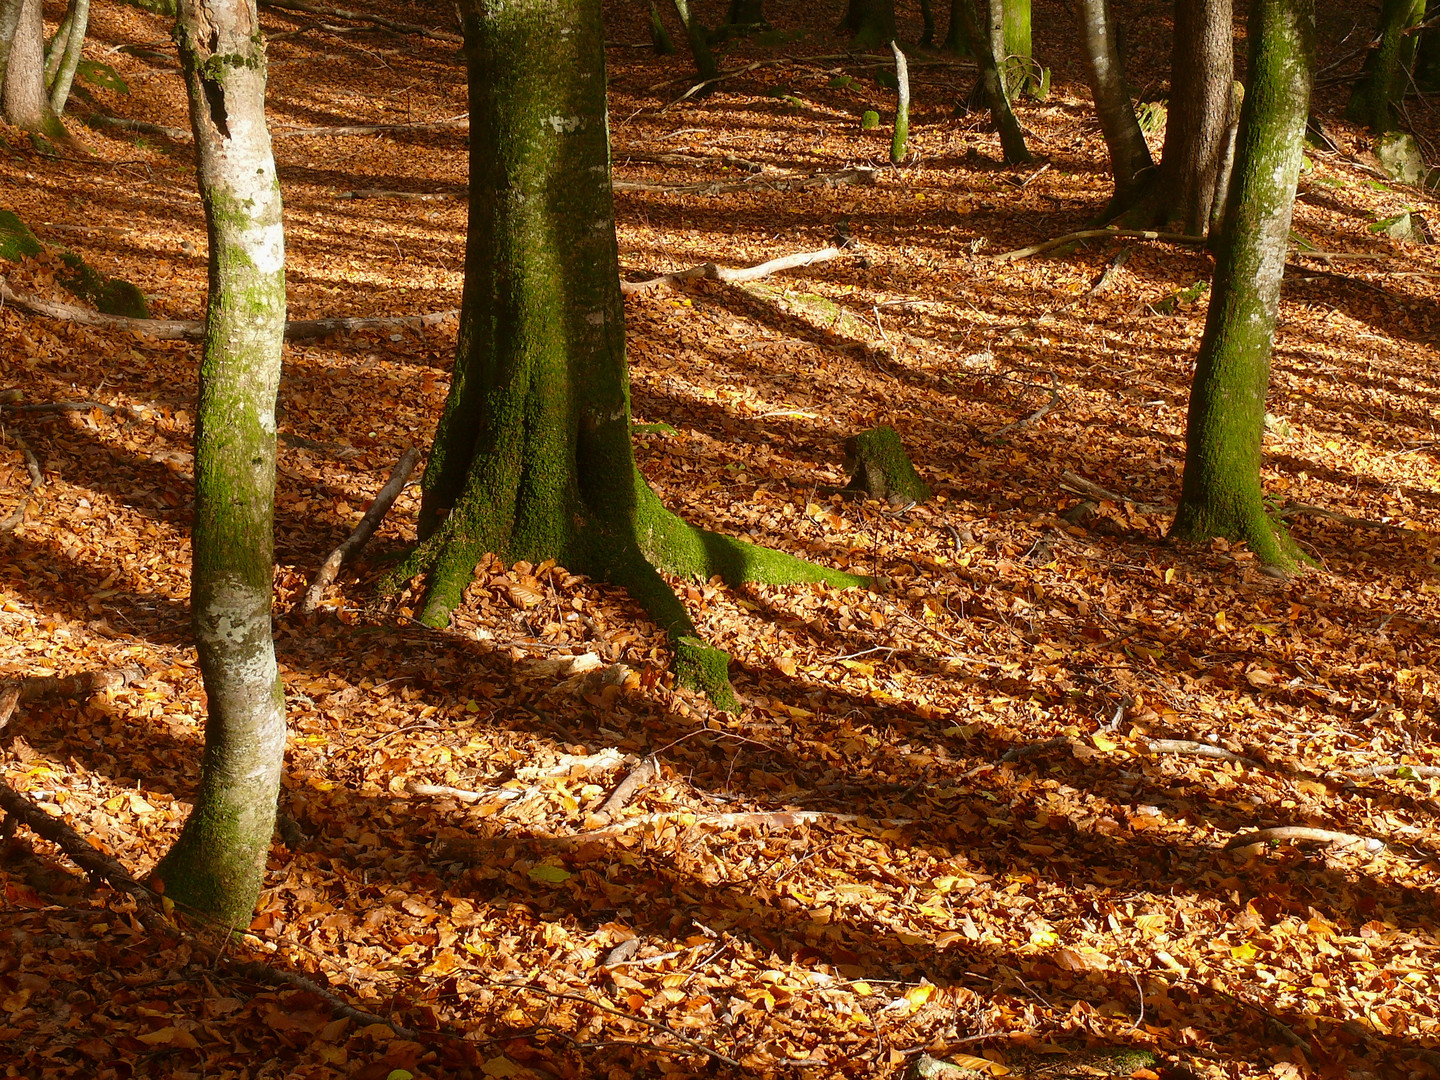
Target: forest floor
966	813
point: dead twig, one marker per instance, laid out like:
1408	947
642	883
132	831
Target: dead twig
711	272
32	463
568	765
860	177
778	819
1423	772
1024	421
1304	832
1306	510
1081	486
360	16
363	531
339	1007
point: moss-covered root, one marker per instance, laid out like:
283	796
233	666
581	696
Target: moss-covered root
698	666
881	468
705	669
447	561
1239	523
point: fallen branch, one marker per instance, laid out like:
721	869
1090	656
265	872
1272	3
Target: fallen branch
1095	234
1199	749
141	127
635	779
194	329
66	686
325	576
1081	486
568	765
360	16
710	272
339	1007
1304	832
1423	772
32	463
413	196
860	177
1037	414
368	129
621	156
1306	510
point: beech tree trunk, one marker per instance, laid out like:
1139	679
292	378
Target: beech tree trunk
871	22
1012	139
77	23
23	99
1380	89
1202	77
1221	494
217	864
532	458
1130	159
699	43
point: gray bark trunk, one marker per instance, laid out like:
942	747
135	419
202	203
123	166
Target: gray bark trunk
217	865
23	100
1202	76
1012	139
1221	494
1130	159
79	22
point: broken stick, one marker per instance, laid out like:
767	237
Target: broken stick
363	531
624	791
1304	832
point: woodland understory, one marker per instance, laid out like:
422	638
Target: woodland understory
1008	804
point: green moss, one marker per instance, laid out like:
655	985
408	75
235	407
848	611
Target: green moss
705	669
16	240
882	469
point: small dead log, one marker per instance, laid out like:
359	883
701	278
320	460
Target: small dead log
325	576
1039	413
1304	832
757	819
62	686
711	272
1404	772
1075	482
411	196
626	156
568	765
1295	509
1199	749
881	469
140	127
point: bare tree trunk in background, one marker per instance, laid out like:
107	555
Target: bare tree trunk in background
23	100
1202	77
1130	159
77	23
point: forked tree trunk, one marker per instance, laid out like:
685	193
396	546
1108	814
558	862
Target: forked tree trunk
1380	89
24	101
218	862
1221	494
699	42
1130	159
1202	77
532	457
1012	139
9	20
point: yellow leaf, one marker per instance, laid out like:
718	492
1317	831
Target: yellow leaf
1043	937
918	995
1170	575
1244	951
1222	623
979	1064
1103	741
501	1066
785	665
864	989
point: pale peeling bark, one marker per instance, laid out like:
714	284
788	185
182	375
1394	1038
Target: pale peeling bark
1221	495
532	458
217	865
77	23
1130	159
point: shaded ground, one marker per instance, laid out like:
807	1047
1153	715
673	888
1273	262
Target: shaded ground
997	852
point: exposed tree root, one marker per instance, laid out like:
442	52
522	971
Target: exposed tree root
1095	234
363	531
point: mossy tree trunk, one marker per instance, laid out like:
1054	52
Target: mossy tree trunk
870	22
699	42
23	100
902	106
1012	139
746	13
1011	44
1380	89
532	458
1202	91
1221	494
1130	159
217	864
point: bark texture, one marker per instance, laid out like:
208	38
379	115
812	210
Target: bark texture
1202	77
992	83
1130	159
1221	494
698	40
77	23
23	99
532	458
1380	89
218	862
872	22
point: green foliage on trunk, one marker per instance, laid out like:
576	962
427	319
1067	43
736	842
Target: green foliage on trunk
1380	89
217	865
533	458
1221	495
